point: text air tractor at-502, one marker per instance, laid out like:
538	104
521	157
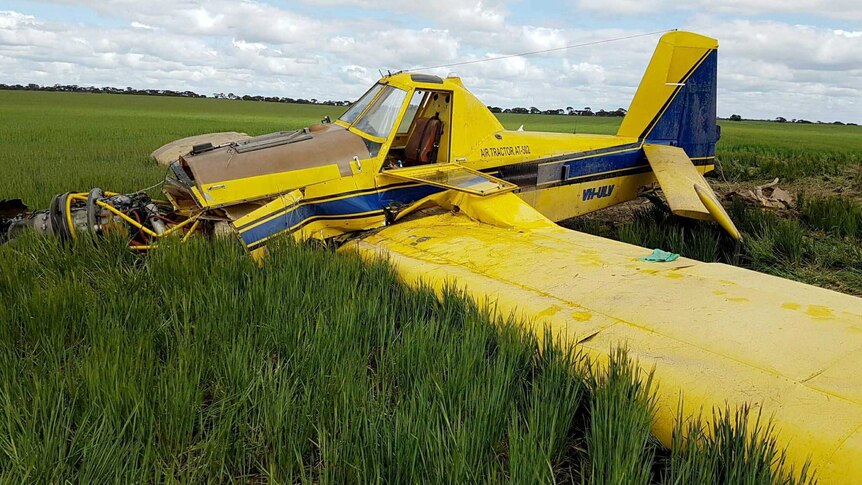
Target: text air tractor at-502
482	201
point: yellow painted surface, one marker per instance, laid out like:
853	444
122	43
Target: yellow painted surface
566	201
715	333
253	188
687	193
477	140
266	212
677	177
508	147
716	210
675	56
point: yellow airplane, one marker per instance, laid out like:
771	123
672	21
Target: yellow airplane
414	135
716	335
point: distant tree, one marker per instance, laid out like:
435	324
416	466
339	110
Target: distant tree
534	110
570	111
735	117
781	119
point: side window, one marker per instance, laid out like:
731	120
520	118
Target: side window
412	110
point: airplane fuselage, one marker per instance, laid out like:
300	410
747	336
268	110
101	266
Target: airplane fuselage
359	172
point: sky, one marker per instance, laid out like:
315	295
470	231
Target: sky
790	58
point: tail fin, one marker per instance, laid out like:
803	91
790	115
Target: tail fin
675	102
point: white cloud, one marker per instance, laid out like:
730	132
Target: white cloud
138	25
837	9
476	15
767	68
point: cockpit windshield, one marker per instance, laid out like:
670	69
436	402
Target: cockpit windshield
358	107
379	119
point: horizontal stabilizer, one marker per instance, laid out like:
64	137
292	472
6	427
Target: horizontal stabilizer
687	193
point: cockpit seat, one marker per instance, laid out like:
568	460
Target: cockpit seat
423	142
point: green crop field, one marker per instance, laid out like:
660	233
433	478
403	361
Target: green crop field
193	364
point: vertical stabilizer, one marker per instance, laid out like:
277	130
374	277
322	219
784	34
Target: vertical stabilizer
675	102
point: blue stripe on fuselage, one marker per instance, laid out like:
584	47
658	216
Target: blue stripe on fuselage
357	204
605	163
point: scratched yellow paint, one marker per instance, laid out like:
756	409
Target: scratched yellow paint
790	349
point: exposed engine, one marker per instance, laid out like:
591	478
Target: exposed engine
75	214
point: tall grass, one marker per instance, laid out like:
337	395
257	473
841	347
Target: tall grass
737	446
621	414
839	216
193	364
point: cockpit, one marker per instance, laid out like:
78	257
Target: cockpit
422	131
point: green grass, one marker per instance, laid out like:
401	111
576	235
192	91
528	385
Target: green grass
732	449
753	150
839	216
56	142
193	364
560	123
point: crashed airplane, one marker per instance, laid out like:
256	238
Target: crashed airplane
420	172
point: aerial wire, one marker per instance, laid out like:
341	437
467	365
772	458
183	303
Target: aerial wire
543	51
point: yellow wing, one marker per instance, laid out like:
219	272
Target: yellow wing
715	333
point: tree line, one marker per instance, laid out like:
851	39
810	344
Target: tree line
74	88
781	119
